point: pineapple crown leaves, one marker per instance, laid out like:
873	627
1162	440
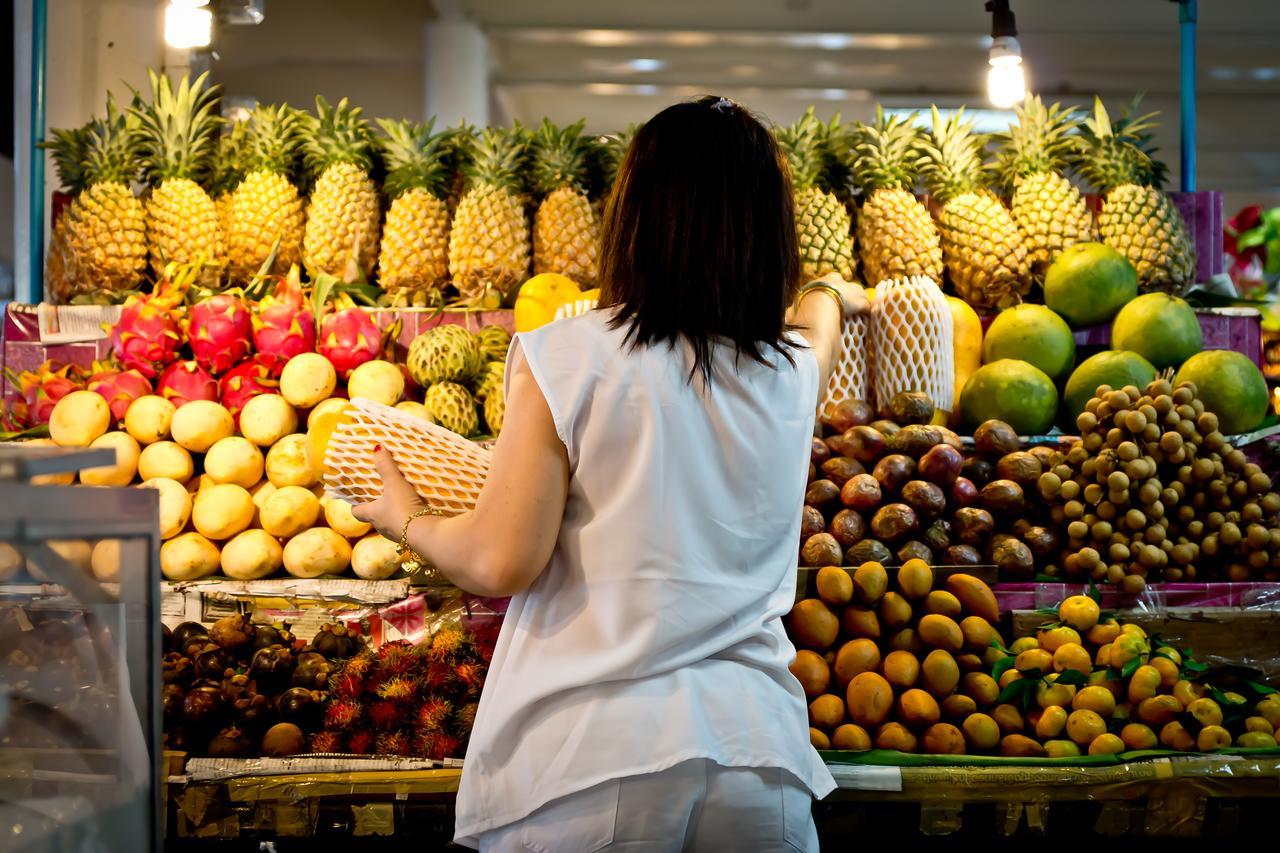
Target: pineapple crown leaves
176	132
952	162
498	157
802	144
884	155
110	152
560	156
337	134
67	148
415	157
1119	152
609	152
272	139
229	159
1043	139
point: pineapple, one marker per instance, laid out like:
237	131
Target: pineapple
68	149
1052	213
266	205
177	139
609	155
823	226
414	257
983	247
1136	219
566	227
343	216
489	244
896	235
228	171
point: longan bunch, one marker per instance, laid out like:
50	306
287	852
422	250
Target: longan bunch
1153	489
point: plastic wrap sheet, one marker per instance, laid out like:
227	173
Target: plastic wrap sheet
418	617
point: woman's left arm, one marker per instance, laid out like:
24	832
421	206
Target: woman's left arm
500	547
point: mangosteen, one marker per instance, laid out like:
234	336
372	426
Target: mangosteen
204	705
811	522
171	696
166	637
272	667
231	742
995	439
963	555
848	528
908	408
926	499
301	706
821	549
937	535
189	638
973	526
236	683
848	414
176	668
861	492
869	551
840	469
915	550
820	452
232	632
941	464
254	712
821	494
1003	496
916	440
865	444
978	470
283	739
893	472
1013	558
1021	466
894	521
270	635
313	671
212	661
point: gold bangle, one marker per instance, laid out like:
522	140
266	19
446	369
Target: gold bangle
827	289
410	560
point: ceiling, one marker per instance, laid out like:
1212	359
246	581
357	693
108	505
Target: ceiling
615	63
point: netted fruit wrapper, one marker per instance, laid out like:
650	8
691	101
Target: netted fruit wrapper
911	336
446	469
574	308
850	379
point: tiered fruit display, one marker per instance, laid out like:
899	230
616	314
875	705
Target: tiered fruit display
238	689
897	666
1085	683
1152	489
405	699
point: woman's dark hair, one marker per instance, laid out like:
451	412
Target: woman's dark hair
699	236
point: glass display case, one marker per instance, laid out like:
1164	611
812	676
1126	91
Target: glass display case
79	662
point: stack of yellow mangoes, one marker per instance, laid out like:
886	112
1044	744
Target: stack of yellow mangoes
1097	686
902	668
241	496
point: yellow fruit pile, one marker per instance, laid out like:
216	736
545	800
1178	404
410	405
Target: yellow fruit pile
242	499
909	670
1093	685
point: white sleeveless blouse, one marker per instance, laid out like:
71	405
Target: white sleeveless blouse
654	635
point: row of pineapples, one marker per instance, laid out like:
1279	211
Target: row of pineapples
306	186
992	251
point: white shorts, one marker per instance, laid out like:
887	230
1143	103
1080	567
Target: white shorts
697	805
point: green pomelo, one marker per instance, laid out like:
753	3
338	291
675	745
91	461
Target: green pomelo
1016	392
1161	328
1116	368
1088	283
1231	386
1034	334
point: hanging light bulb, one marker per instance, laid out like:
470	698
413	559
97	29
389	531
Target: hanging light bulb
1006	79
187	24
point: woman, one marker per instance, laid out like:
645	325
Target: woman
643	510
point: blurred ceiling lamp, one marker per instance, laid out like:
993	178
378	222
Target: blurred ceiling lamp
187	24
1006	81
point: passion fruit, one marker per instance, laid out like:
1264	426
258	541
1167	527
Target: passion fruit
909	407
995	439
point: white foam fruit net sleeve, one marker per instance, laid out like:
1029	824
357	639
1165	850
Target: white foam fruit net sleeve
446	469
850	378
574	308
911	335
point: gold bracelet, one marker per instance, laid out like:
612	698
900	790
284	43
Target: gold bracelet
827	289
410	560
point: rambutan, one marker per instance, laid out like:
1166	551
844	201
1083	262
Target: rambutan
397	658
438	745
342	714
446	643
398	688
359	665
393	743
466	717
326	742
360	742
440	675
346	685
432	715
387	715
471	677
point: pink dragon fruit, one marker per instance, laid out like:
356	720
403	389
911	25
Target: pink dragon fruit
118	387
43	387
349	338
242	383
147	335
283	325
184	381
220	332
